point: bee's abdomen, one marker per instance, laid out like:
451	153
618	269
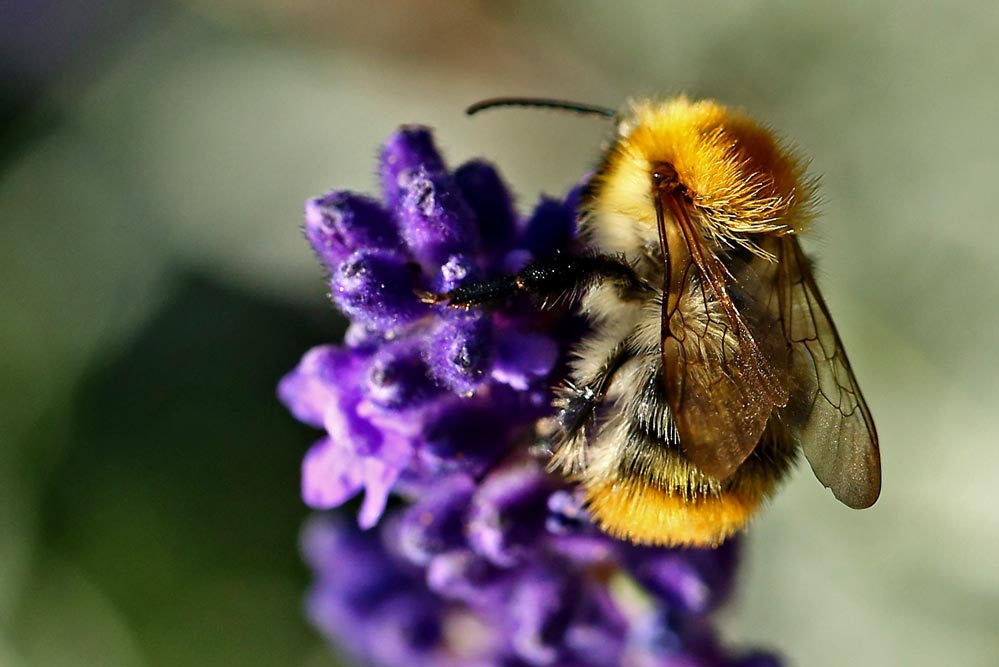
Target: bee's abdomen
640	485
619	441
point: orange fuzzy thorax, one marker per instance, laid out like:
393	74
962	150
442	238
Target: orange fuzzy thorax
739	179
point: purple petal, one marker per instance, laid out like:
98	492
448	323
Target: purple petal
319	380
549	228
402	423
667	636
596	635
364	602
379	475
331	475
572	533
522	358
350	429
694	580
463	576
335	618
541	607
464	436
353	563
406	630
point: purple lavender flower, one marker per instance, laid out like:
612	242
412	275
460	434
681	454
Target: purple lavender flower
488	559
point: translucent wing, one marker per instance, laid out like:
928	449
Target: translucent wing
720	385
826	412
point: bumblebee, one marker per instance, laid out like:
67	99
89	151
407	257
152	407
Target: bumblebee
711	358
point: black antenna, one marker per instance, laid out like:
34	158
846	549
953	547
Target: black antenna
542	103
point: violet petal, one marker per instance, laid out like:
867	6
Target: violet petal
331	474
523	358
464	436
549	228
318	381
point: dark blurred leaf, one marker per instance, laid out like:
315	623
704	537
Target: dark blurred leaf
178	493
23	120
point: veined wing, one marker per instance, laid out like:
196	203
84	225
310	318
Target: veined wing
721	387
826	412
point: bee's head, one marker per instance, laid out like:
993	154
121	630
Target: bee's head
737	178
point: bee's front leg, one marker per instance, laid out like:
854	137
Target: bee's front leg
562	276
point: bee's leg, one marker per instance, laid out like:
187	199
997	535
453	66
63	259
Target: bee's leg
578	402
577	407
577	415
559	276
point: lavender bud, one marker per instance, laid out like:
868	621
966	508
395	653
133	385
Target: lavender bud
488	198
406	630
333	547
566	512
464	436
434	220
435	524
541	608
410	149
463	576
340	222
694	580
365	602
378	288
597	634
549	228
523	358
459	351
397	376
508	513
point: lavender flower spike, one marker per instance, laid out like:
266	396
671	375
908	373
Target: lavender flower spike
485	559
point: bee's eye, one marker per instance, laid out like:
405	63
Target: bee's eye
663	174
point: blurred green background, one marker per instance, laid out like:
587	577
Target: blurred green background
154	159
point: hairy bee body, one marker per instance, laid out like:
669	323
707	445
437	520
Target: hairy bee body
744	191
711	359
640	485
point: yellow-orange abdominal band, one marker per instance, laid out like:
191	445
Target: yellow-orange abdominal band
636	511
